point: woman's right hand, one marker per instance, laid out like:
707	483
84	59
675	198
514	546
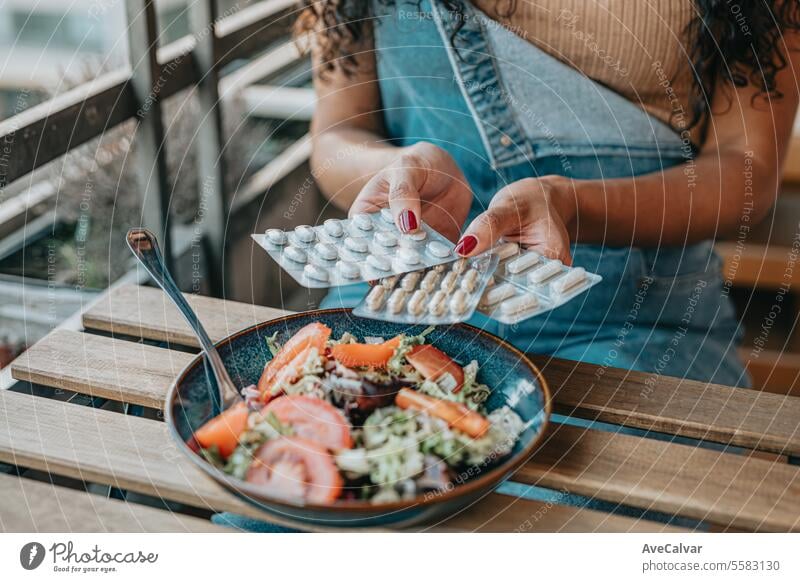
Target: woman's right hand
422	182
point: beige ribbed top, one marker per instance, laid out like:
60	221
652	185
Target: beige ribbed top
635	47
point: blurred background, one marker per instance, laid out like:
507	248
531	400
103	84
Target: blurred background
193	121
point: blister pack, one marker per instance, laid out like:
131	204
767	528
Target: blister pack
444	294
528	284
365	247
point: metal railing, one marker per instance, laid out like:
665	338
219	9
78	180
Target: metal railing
49	130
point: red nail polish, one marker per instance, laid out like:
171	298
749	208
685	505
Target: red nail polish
466	245
408	221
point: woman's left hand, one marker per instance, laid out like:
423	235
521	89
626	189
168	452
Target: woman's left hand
534	212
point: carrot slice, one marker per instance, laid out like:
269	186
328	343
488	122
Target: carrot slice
365	355
454	414
312	335
224	430
394	343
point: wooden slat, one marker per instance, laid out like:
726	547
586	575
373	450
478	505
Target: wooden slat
504	514
726	489
746	418
696	489
757	265
694	409
138	454
100	366
145	312
33	506
774	371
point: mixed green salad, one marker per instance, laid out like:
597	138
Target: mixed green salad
382	420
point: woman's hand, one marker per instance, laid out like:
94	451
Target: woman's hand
536	212
422	182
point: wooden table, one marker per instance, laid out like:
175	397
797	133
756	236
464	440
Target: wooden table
114	358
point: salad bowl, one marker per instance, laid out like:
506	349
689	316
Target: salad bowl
514	381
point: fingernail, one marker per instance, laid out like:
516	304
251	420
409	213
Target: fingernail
408	221
466	245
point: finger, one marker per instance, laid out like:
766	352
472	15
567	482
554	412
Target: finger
487	228
551	251
372	196
404	198
548	238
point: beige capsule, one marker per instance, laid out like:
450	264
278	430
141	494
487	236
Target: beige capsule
429	281
518	304
458	302
470	280
506	250
449	282
459	266
396	300
545	272
437	303
409	282
523	262
569	281
389	282
417	302
498	293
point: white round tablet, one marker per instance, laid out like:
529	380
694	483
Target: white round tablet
386	239
386	215
438	249
409	256
362	221
276	236
357	245
333	226
315	272
305	233
296	255
327	251
348	270
379	263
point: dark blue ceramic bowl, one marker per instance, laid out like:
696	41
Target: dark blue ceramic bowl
513	378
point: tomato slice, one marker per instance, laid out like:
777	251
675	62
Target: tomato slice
432	362
296	469
312	419
312	335
224	430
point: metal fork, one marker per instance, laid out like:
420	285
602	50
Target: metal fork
144	246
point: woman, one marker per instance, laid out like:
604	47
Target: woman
619	136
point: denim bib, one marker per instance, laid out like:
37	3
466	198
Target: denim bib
506	110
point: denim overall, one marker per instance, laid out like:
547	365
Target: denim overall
505	110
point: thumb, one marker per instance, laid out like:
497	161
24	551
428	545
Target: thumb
404	198
483	232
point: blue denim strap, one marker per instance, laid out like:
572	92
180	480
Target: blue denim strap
475	69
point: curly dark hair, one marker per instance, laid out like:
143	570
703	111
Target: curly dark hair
740	42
